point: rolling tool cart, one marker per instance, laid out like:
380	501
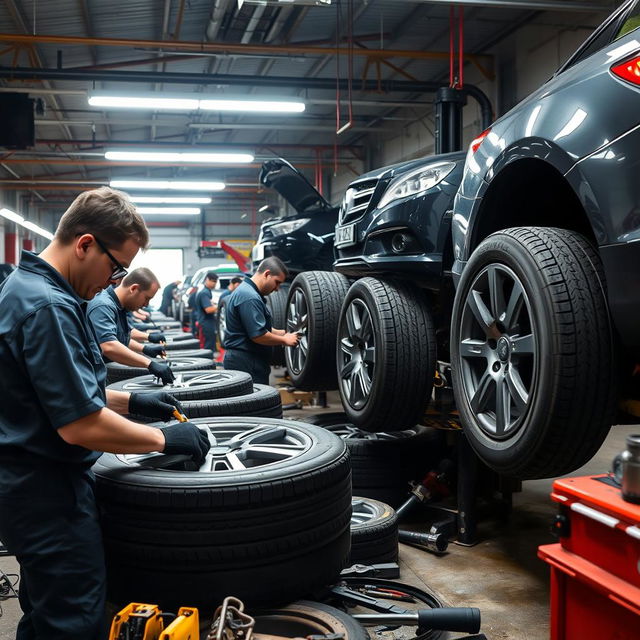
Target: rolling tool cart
595	577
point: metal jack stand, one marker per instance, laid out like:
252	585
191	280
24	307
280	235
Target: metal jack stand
320	399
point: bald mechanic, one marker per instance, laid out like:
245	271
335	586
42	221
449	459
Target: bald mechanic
56	417
249	334
108	314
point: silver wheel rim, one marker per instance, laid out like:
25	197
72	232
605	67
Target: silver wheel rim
497	347
362	512
348	431
184	380
235	447
298	321
357	354
222	329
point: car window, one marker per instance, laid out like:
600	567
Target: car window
631	21
606	33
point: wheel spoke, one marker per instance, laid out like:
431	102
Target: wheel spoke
503	407
304	348
234	461
352	386
482	315
365	382
523	345
370	355
474	349
496	292
348	368
346	346
517	389
483	393
353	320
516	300
273	453
366	328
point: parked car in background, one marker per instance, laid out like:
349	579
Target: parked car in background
545	330
303	240
226	271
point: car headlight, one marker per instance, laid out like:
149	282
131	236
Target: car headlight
284	228
416	182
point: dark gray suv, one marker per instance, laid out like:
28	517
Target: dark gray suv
546	230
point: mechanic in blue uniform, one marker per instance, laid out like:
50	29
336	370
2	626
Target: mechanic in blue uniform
208	311
55	416
234	283
107	313
249	335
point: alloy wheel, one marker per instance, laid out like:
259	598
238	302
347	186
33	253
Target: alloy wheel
298	321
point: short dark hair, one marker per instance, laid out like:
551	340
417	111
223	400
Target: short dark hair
105	212
212	275
236	280
275	265
141	276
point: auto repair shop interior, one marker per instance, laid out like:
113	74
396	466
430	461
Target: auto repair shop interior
433	207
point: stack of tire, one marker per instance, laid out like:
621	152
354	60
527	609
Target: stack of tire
266	518
211	393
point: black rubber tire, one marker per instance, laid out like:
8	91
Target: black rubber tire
570	402
117	372
222	322
277	305
374	541
383	464
224	384
267	534
207	354
166	323
178	336
182	345
323	292
308	619
401	379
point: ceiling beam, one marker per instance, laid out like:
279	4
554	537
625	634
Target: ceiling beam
526	5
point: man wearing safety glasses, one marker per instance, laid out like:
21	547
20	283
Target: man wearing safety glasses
56	416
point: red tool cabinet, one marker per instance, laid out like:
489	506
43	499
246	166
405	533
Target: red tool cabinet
595	568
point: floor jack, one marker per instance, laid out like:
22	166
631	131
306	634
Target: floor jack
146	622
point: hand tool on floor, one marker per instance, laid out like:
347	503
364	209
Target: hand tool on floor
433	542
465	619
385	570
433	486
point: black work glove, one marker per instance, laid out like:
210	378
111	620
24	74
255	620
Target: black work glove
153	350
158	404
185	437
161	370
156	336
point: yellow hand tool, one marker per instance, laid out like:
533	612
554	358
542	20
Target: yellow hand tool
180	417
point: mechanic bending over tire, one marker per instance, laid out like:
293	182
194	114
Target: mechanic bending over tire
107	313
208	312
56	416
249	335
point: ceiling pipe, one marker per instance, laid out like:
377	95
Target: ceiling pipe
388	86
253	24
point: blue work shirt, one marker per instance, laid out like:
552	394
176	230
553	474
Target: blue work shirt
204	300
51	368
109	318
247	316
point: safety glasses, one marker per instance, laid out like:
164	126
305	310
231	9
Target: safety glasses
118	270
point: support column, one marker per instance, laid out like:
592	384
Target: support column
11	248
449	104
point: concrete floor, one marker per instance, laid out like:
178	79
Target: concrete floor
501	575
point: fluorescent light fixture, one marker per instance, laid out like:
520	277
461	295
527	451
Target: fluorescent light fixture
182	103
27	224
170	200
172	185
260	106
132	102
176	157
177	211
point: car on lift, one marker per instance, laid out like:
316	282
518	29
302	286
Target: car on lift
302	240
545	331
370	328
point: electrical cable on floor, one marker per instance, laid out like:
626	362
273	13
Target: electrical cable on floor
7	587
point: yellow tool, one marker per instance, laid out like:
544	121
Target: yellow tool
180	417
185	627
138	622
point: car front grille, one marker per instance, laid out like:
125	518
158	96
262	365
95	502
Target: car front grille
357	200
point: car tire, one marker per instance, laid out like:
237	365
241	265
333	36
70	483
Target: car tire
117	371
385	355
277	305
557	400
198	385
268	531
383	464
313	307
181	345
309	620
207	354
374	532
